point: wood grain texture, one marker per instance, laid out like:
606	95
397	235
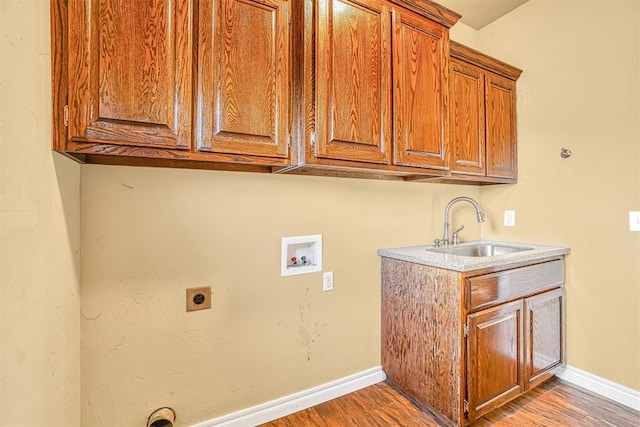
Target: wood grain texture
494	358
482	117
544	336
554	403
353	80
315	155
491	289
351	171
422	338
101	149
186	163
420	91
134	72
484	61
424	349
431	10
59	74
130	94
500	106
379	405
243	88
467	119
130	72
254	82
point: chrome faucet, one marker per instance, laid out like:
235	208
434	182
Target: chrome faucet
446	240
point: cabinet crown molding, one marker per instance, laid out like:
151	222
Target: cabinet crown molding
431	10
479	59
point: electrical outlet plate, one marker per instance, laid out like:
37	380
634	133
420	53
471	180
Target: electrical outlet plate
198	298
510	218
327	281
301	254
634	221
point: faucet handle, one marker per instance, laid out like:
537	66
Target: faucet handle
454	236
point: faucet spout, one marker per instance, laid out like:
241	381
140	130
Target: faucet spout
479	215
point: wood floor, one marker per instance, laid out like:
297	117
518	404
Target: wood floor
554	403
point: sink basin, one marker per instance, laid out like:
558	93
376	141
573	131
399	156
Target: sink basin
480	250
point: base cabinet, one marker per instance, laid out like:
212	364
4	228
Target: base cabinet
544	336
494	358
464	344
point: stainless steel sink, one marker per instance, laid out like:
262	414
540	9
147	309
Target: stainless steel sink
480	250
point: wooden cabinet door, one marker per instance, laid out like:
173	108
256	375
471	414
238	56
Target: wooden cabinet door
500	102
243	101
130	72
353	80
420	92
494	357
544	336
467	118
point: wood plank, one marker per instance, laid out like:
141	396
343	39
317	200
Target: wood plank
554	403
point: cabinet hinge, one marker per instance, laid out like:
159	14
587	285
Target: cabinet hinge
466	330
66	116
466	406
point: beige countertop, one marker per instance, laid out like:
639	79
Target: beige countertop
422	255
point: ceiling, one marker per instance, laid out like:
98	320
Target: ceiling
478	13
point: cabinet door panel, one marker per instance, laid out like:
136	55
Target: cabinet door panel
500	99
467	118
243	102
130	81
544	336
420	91
494	357
353	80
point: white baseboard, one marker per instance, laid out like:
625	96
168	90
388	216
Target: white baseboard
616	392
287	405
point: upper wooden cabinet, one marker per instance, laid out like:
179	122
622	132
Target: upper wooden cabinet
500	126
482	117
420	91
375	90
328	87
353	80
130	72
243	102
467	113
173	83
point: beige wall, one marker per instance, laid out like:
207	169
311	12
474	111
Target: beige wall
147	234
39	234
465	34
579	90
